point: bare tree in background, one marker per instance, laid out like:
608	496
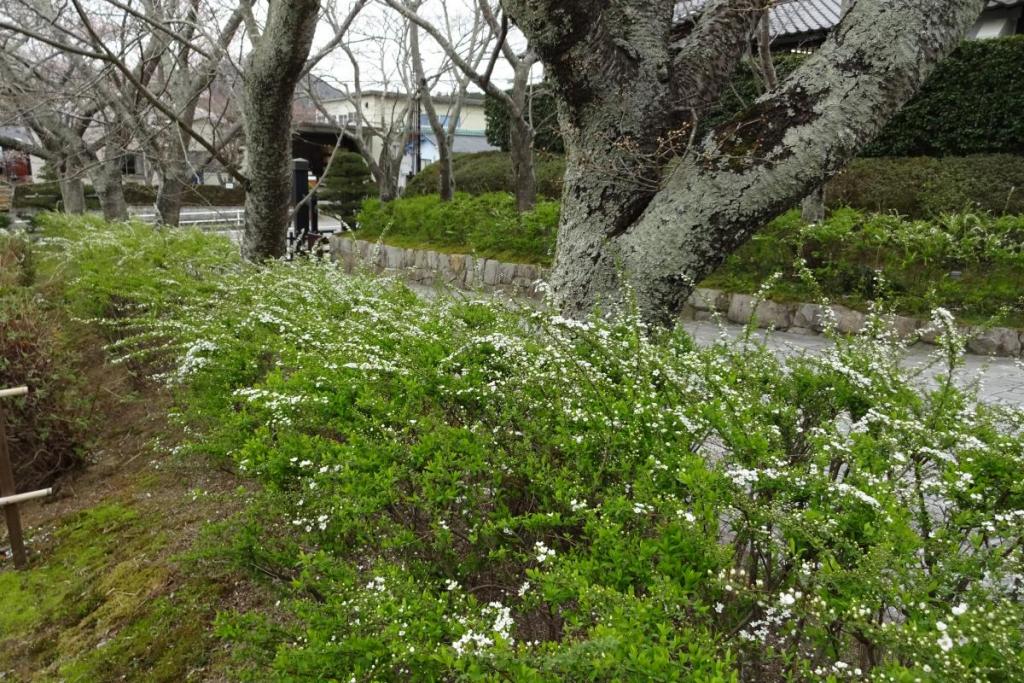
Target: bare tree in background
111	62
473	46
626	80
381	119
521	132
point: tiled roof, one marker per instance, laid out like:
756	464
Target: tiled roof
798	17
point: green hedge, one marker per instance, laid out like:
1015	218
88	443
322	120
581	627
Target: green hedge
971	104
916	187
46	196
547	134
928	186
845	254
485	172
487	225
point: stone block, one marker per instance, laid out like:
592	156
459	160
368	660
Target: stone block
490	271
808	316
849	321
996	341
506	273
394	257
769	313
905	327
704	299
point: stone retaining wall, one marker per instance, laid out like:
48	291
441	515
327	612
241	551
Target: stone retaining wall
428	267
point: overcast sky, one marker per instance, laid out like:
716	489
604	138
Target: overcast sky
376	39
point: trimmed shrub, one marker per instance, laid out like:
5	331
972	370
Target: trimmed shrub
46	196
927	186
971	104
345	185
915	187
487	225
485	172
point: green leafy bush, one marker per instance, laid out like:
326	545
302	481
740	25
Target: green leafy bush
925	186
345	185
457	490
488	225
972	264
971	104
484	172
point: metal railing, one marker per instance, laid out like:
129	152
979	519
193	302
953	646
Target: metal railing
209	219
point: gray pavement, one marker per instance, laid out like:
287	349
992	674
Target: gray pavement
1000	380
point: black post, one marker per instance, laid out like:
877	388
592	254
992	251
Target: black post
300	176
314	214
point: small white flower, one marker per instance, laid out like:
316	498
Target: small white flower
959	609
719	607
543	552
945	642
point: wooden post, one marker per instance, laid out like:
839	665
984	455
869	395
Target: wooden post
11	513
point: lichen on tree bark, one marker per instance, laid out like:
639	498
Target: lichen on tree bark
641	208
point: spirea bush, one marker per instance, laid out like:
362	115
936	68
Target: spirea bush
456	489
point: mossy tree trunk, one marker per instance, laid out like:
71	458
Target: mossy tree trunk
269	81
644	206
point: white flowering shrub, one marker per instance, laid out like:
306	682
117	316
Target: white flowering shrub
458	489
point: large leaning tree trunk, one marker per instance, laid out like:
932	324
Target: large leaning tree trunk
644	206
274	68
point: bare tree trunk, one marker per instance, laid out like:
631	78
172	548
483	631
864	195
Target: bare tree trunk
624	84
520	142
170	195
446	173
269	81
72	193
109	185
520	149
812	209
72	187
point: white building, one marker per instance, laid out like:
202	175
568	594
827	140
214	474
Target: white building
385	111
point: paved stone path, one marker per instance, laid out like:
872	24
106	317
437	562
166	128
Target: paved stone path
1002	379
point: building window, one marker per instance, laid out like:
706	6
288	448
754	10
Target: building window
129	165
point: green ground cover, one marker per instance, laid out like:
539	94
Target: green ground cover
487	224
453	489
970	263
